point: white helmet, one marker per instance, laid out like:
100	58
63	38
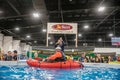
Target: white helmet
59	48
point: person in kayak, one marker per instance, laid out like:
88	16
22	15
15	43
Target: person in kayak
55	57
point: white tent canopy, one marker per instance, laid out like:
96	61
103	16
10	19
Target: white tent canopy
1	40
107	50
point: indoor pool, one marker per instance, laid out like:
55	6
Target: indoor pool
31	73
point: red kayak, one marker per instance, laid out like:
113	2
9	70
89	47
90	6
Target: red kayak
61	64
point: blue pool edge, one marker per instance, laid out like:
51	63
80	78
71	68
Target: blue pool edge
23	63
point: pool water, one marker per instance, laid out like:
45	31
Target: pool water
31	73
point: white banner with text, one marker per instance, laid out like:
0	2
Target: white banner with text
62	28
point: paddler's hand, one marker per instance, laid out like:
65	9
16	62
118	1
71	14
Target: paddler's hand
44	60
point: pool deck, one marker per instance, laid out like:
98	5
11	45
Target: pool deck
102	65
13	63
23	63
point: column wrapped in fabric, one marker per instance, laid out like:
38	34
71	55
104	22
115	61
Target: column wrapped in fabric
27	47
23	45
16	45
1	41
7	43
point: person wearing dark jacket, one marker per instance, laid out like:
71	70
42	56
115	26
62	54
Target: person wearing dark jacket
8	57
15	55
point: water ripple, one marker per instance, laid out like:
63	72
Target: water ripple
32	73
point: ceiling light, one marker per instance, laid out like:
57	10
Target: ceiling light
35	41
73	50
70	0
29	42
74	39
86	27
17	28
85	44
80	35
110	35
102	8
99	39
36	15
1	11
44	30
28	36
51	42
49	37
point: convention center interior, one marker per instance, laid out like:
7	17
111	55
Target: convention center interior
59	39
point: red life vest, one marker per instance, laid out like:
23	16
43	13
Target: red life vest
54	56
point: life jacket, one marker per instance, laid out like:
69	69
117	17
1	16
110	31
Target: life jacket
58	54
40	59
118	58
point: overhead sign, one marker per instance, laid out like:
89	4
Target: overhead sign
62	28
115	40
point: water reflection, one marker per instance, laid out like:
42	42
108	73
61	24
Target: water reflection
32	73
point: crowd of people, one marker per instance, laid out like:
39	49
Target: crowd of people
13	56
10	56
59	53
96	59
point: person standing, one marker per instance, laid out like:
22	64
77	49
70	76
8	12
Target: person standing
60	43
